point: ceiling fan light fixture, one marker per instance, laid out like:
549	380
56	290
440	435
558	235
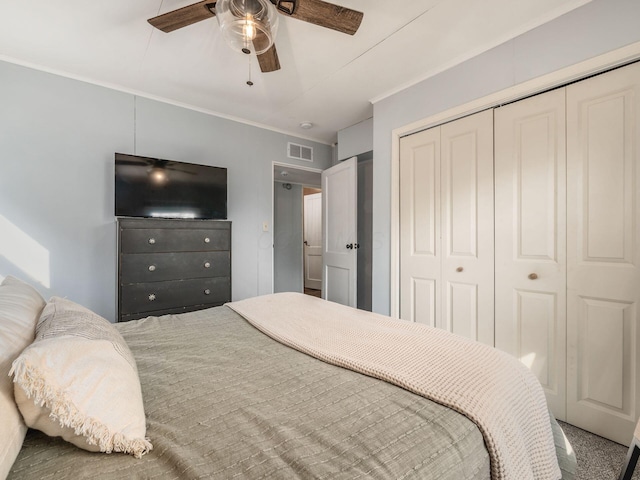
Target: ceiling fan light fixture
248	26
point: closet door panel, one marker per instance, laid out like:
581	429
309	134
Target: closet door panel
420	227
462	309
467	226
530	236
603	240
537	324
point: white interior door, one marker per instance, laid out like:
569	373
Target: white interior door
603	238
530	238
313	241
446	227
420	257
339	232
467	226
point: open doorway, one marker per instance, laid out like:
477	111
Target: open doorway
291	184
297	251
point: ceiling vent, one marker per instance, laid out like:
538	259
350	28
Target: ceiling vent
300	152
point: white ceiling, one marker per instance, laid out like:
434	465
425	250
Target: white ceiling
327	78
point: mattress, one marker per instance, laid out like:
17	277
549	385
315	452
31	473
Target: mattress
223	400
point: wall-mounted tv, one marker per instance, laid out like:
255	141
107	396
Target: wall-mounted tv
151	187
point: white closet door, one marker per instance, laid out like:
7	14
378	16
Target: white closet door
603	302
467	226
420	227
446	227
530	236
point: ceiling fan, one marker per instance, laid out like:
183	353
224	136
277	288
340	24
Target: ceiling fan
250	25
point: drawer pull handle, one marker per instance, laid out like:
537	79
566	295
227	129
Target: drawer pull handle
152	241
207	264
533	276
207	239
152	268
152	297
207	291
459	269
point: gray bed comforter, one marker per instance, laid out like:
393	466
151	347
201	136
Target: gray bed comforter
225	401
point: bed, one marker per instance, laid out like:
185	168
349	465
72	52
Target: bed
224	400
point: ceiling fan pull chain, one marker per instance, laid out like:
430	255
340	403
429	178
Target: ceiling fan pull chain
286	6
249	82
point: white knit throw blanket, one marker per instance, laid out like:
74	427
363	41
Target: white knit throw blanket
499	394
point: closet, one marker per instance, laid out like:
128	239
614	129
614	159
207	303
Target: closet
565	235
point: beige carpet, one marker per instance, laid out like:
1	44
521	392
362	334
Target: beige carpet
598	458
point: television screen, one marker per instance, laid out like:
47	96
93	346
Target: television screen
151	187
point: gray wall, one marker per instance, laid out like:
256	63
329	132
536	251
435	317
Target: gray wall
355	140
57	141
594	29
287	232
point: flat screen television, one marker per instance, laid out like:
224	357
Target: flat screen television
151	187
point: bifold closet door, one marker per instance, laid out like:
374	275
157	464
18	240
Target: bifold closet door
530	236
446	227
603	243
466	169
420	256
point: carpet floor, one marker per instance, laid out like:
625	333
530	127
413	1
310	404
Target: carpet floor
598	458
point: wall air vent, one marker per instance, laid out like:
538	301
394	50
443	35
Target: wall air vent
300	152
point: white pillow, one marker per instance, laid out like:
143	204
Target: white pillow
78	380
20	307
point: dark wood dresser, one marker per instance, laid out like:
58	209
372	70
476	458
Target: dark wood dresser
172	266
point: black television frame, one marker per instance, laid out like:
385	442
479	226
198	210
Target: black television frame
147	187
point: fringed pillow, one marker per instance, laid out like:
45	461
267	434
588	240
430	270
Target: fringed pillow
79	381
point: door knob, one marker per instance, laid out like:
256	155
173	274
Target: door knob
533	276
459	269
306	243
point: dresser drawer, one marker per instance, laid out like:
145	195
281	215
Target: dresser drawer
138	240
174	311
158	267
147	297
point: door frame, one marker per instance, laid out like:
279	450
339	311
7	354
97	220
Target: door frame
592	66
289	167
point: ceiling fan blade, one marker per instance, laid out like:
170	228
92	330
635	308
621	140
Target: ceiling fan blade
328	15
182	17
269	60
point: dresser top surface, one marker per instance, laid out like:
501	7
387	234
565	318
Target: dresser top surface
128	222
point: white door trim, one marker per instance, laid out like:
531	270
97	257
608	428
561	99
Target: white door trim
558	78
